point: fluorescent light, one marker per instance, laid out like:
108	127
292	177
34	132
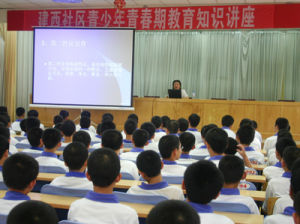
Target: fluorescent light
67	1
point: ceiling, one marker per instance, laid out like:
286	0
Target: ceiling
48	4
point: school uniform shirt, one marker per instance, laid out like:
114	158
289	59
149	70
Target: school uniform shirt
230	133
158	134
152	146
161	188
16	125
91	128
256	144
215	159
282	203
207	216
233	195
273	171
134	152
127	143
197	135
13	141
171	168
285	218
1	177
185	159
253	154
64	144
33	149
272	159
129	167
12	149
270	142
10	200
89	132
50	159
200	151
98	208
98	138
258	136
74	180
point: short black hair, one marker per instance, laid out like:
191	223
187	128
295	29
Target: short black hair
51	137
134	117
173	212
246	134
5	132
83	137
246	121
194	120
32	212
58	127
156	120
232	168
85	122
4	145
23	125
130	126
290	155
231	148
187	141
176	81
75	154
284	133
227	120
4	120
183	124
254	124
149	163
57	119
203	181
3	109
282	143
165	120
64	114
173	126
103	167
107	117
206	128
217	138
112	139
19	170
34	136
32	122
140	137
68	128
33	113
167	144
282	123
150	128
85	113
295	178
296	203
20	111
105	125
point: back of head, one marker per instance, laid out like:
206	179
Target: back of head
149	163
83	137
194	120
68	128
165	120
217	138
105	125
134	117
5	132
227	121
297	204
3	109
107	117
130	126
4	145
282	123
246	134
295	178
23	125
232	168
173	212
246	121
4	120
150	128
156	120
284	133
112	139
282	143
203	181
51	137
167	144
140	137
34	136
231	148
173	127
64	114
19	170
290	155
85	122
32	212
187	141
75	155
206	128
85	113
183	124
254	124
103	167
33	113
20	111
57	119
32	122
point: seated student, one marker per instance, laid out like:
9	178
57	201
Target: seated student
173	212
233	170
20	112
170	151
91	128
139	140
3	109
172	128
183	125
150	128
75	157
6	134
113	139
85	123
23	127
35	114
105	125
101	205
216	140
257	133
107	117
256	144
5	119
149	166
277	170
129	127
32	212
35	140
4	147
203	182
245	136
187	141
57	119
159	132
52	141
64	114
165	120
30	123
279	186
19	174
133	117
194	120
227	122
296	214
68	129
83	137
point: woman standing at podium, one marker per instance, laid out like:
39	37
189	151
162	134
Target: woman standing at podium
177	86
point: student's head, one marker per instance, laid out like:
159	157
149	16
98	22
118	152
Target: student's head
232	168
149	164
227	121
3	109
281	144
206	128
112	139
57	119
156	120
32	212
245	134
216	140
203	181
282	123
105	125
140	138
176	84
254	124
165	120
64	114
168	145
85	113
173	212
231	148
35	137
20	111
23	125
107	117
173	127
51	138
20	172
103	167
194	120
4	147
134	117
130	126
83	137
4	120
150	128
296	215
32	122
246	121
68	128
33	113
58	127
85	122
295	179
75	155
183	124
5	132
290	155
187	141
284	133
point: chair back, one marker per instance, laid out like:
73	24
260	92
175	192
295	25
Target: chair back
229	207
51	169
198	157
245	185
140	199
3	186
173	179
127	176
255	161
22	146
69	222
3	218
51	189
251	171
32	154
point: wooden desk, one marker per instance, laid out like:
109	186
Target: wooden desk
57	152
259	167
256	178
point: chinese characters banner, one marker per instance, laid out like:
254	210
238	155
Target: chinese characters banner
175	18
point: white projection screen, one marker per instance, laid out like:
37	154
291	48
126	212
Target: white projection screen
83	68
